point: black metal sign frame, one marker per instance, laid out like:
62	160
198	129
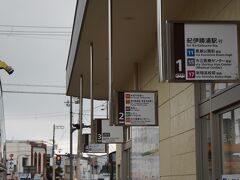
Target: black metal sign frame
98	133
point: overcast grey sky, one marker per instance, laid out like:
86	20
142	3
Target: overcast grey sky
37	59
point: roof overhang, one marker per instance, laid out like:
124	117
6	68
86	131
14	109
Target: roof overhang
134	35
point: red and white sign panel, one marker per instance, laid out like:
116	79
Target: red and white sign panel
137	108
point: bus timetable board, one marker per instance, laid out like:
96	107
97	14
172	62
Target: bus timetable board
203	51
104	133
137	108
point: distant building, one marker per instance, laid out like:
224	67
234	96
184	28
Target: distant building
26	159
84	169
67	167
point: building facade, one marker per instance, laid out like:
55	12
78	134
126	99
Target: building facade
27	158
198	132
85	168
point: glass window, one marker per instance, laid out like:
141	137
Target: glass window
216	87
39	163
207	145
35	159
128	133
205	90
220	86
231	141
208	90
24	161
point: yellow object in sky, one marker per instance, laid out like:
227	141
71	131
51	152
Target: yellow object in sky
6	67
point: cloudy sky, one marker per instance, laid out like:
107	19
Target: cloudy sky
34	39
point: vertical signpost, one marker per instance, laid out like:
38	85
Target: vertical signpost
203	51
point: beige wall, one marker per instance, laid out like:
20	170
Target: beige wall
176	122
201	9
118	159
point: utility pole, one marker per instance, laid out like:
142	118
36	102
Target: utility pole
73	127
53	148
109	102
53	158
70	155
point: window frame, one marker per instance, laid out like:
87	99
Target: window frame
218	103
231	110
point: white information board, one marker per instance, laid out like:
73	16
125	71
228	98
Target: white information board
211	51
137	108
92	147
106	133
203	51
111	134
96	148
231	177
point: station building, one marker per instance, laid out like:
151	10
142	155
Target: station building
199	123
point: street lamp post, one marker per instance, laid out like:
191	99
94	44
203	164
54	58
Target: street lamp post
72	129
